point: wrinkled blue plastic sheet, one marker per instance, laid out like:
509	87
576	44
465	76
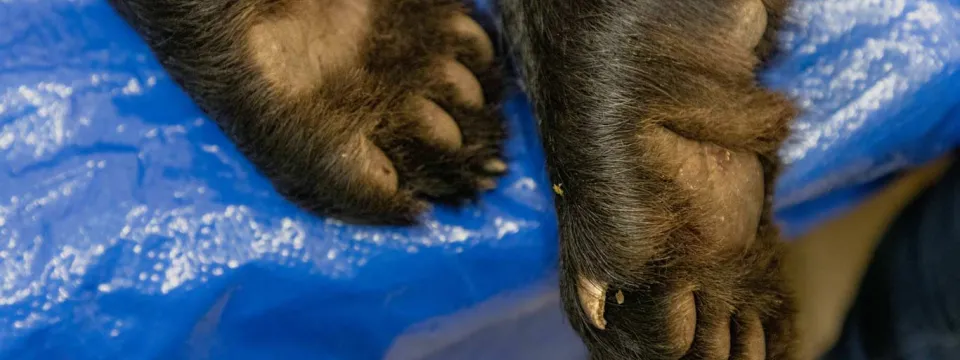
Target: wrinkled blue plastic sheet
131	228
879	85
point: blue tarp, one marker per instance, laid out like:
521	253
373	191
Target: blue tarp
131	228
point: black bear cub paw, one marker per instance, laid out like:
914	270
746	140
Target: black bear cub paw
676	255
406	90
361	109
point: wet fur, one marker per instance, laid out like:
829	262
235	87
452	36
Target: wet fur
610	81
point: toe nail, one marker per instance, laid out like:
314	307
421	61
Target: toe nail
487	184
495	166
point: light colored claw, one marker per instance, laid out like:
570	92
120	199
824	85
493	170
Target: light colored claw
593	300
486	184
495	166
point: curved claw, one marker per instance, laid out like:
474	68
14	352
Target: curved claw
592	296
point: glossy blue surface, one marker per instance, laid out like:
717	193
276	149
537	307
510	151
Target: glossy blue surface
879	83
130	228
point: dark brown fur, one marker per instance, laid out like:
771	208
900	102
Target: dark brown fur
650	113
298	139
611	83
